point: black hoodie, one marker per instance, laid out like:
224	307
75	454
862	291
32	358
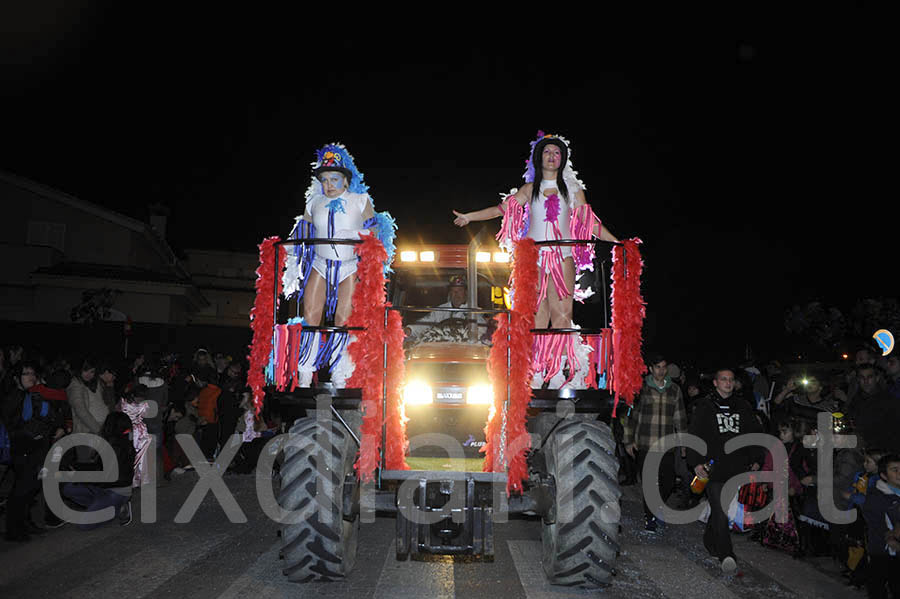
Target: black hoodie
717	420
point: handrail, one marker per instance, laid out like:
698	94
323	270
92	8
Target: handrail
333	329
319	240
446	309
575	242
567	331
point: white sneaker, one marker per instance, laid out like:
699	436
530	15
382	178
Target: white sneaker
178	470
729	565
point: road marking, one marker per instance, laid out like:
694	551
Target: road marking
142	573
797	575
264	580
669	570
527	559
413	579
32	557
677	575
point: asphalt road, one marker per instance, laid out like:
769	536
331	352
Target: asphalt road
211	557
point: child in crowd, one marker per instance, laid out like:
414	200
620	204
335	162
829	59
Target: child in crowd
801	474
882	514
866	479
255	433
801	461
864	483
135	407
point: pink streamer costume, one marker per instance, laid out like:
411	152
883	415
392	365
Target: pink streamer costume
141	439
554	218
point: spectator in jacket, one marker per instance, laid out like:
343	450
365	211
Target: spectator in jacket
718	418
11	358
229	402
874	412
882	514
221	362
892	374
106	377
658	412
53	388
33	423
88	409
206	404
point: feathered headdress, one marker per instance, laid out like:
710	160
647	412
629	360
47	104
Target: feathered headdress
335	157
570	175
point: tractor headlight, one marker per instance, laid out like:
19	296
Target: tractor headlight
480	395
417	393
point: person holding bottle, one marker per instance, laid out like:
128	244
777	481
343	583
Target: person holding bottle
718	418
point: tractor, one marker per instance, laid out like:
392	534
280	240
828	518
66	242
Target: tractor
457	418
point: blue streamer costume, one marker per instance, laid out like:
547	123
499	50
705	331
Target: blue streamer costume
342	217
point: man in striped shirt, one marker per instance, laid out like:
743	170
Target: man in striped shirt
658	411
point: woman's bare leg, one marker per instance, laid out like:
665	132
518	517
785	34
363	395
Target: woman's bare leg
314	299
561	309
345	300
542	316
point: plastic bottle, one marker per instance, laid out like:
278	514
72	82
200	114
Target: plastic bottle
699	482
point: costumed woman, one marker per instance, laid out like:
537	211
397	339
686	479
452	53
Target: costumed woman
338	206
550	205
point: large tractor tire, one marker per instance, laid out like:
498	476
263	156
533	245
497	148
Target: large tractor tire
579	535
319	542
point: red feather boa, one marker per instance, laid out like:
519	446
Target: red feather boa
396	444
368	356
524	286
628	311
261	318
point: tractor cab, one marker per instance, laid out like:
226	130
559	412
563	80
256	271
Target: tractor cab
448	296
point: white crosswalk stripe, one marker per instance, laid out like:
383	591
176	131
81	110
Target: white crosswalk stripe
799	576
527	559
414	579
144	572
678	576
264	580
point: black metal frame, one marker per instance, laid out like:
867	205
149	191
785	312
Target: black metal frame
475	527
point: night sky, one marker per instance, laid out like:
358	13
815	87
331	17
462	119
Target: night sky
744	156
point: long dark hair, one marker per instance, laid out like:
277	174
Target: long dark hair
116	425
86	363
537	163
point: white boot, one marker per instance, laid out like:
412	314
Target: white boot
537	381
304	377
307	366
345	367
558	379
583	355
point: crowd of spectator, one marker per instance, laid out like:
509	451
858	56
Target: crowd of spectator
861	400
44	398
205	397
